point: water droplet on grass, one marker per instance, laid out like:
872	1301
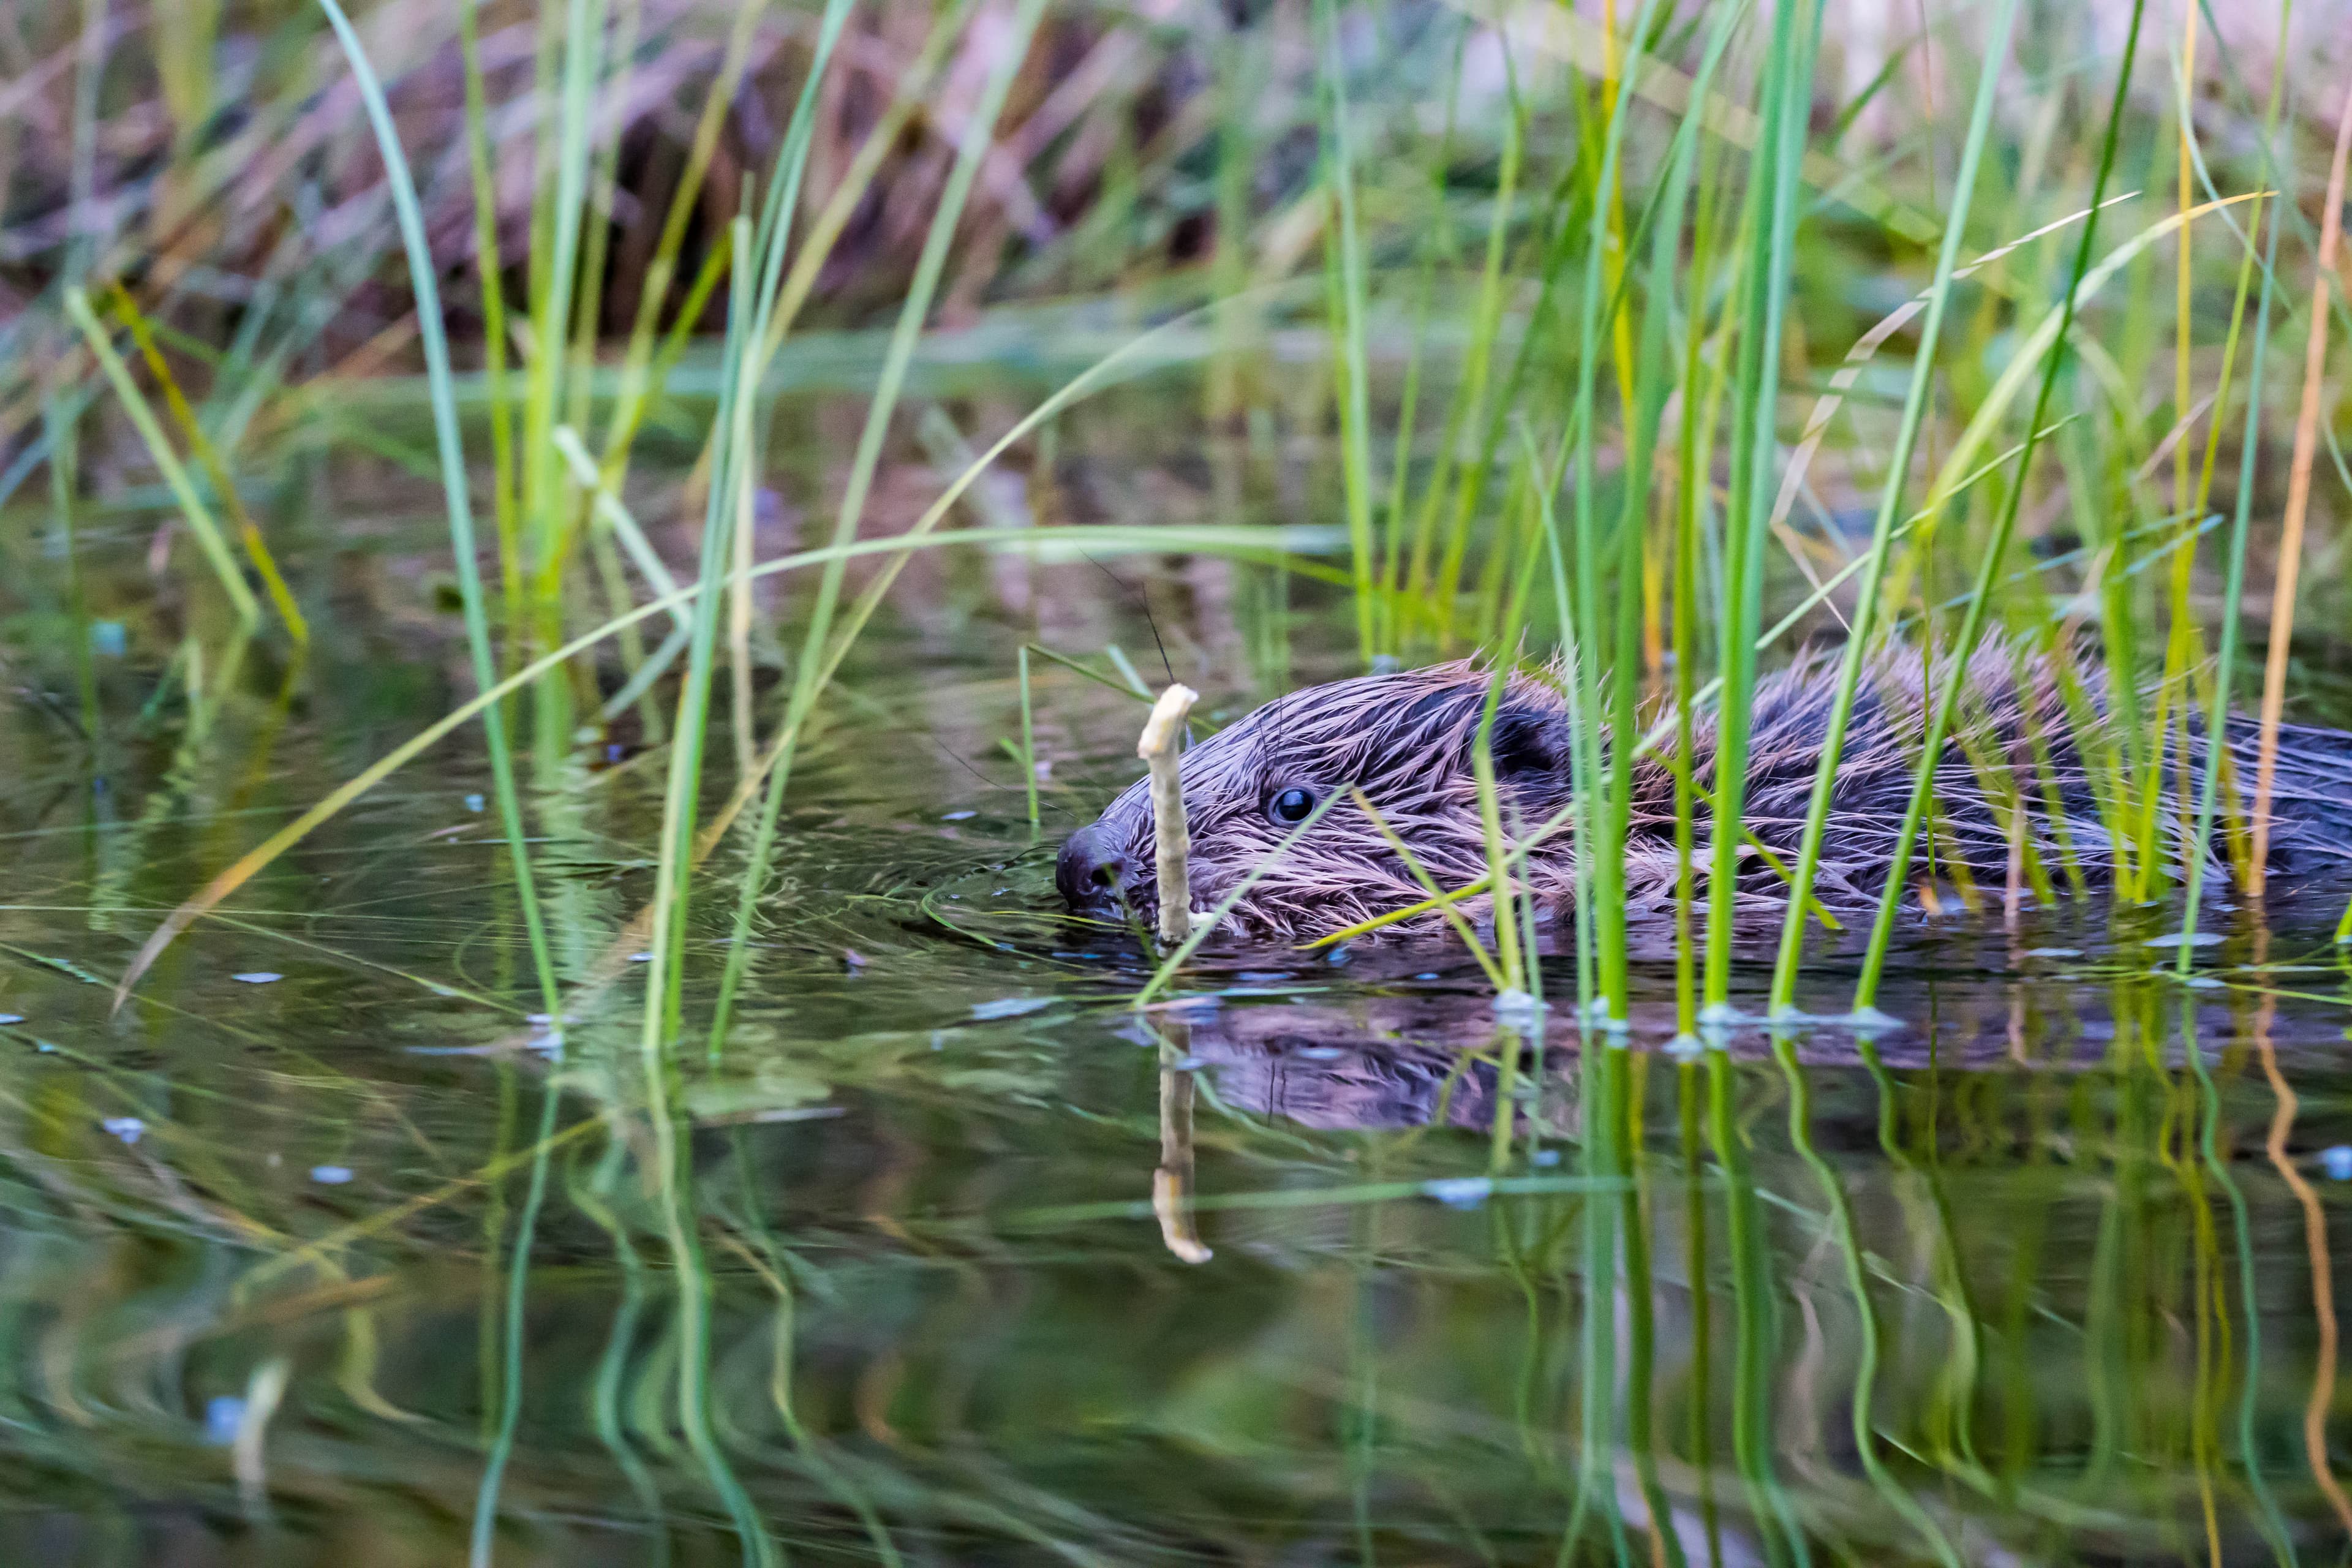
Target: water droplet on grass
1010	1007
1518	1010
1460	1192
224	1413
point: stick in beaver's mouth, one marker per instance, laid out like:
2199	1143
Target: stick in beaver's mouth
1172	841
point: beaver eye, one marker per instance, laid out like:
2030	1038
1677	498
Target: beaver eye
1292	806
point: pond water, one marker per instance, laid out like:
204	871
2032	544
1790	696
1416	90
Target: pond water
323	1249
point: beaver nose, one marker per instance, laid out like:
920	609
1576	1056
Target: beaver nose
1092	875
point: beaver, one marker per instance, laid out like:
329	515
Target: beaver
1405	740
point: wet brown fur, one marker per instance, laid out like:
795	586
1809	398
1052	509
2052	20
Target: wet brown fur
1405	740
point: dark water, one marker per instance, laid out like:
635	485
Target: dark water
322	1250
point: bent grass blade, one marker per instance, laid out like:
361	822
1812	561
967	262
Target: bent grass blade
1444	906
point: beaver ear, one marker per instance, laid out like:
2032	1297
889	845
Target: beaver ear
1529	743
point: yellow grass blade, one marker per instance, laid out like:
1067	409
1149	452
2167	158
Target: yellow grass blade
257	549
2298	502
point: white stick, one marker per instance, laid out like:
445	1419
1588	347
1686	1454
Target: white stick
1171	839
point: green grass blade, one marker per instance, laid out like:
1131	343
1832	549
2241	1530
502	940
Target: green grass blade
1898	1500
511	1343
1772	223
450	449
1028	747
1355	393
1865	620
2225	662
1883	928
681	794
487	269
775	232
553	303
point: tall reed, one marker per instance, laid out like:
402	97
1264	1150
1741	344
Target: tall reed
1861	624
2298	501
1770	229
2225	663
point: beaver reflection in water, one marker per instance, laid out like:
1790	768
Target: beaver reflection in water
1405	740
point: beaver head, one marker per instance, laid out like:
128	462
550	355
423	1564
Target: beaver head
1405	740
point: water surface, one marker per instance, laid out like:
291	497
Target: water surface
325	1249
